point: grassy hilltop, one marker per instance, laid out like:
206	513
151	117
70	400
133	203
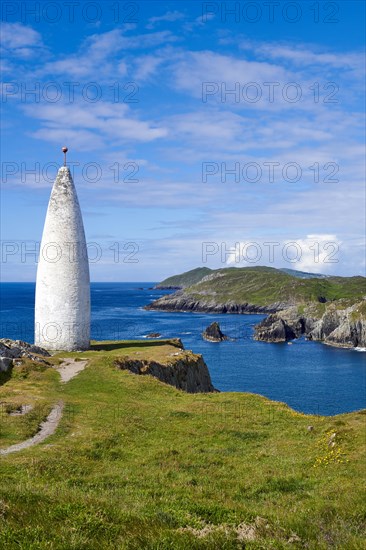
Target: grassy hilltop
194	276
266	285
258	287
137	464
185	279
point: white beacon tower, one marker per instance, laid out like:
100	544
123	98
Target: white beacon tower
62	308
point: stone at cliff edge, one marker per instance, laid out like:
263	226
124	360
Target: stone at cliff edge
213	333
183	369
5	363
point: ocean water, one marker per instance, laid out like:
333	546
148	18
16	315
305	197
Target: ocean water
309	376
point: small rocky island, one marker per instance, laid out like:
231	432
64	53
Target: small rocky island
213	333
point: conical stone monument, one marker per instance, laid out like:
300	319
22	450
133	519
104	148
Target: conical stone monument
62	308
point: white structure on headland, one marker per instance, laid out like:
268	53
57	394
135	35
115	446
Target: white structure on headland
62	311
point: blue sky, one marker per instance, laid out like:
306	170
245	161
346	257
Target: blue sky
218	176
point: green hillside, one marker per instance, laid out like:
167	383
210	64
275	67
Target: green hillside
185	279
195	275
303	274
136	464
265	285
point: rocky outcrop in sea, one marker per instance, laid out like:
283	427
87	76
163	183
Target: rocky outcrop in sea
338	327
213	333
279	327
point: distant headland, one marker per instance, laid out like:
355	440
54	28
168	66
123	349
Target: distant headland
330	309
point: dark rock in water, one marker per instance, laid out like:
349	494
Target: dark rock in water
273	329
213	333
280	327
186	371
153	335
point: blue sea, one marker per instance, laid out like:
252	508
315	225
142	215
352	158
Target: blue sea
309	376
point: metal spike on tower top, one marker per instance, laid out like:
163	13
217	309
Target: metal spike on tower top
64	150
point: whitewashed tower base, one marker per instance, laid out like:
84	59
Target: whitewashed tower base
62	310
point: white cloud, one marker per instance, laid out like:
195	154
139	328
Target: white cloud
169	16
199	21
192	69
16	35
147	66
318	253
99	54
301	55
208	126
20	41
92	125
81	140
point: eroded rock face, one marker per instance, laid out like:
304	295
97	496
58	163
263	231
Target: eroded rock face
280	327
274	329
338	327
213	333
186	371
5	364
14	349
180	301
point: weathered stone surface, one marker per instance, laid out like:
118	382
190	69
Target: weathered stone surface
5	364
186	371
280	327
62	305
273	330
338	327
213	333
17	348
346	332
179	301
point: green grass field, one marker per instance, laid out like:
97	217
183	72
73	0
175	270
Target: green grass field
264	285
136	464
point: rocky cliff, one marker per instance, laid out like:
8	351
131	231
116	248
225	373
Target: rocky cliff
337	325
329	309
184	370
181	301
279	327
